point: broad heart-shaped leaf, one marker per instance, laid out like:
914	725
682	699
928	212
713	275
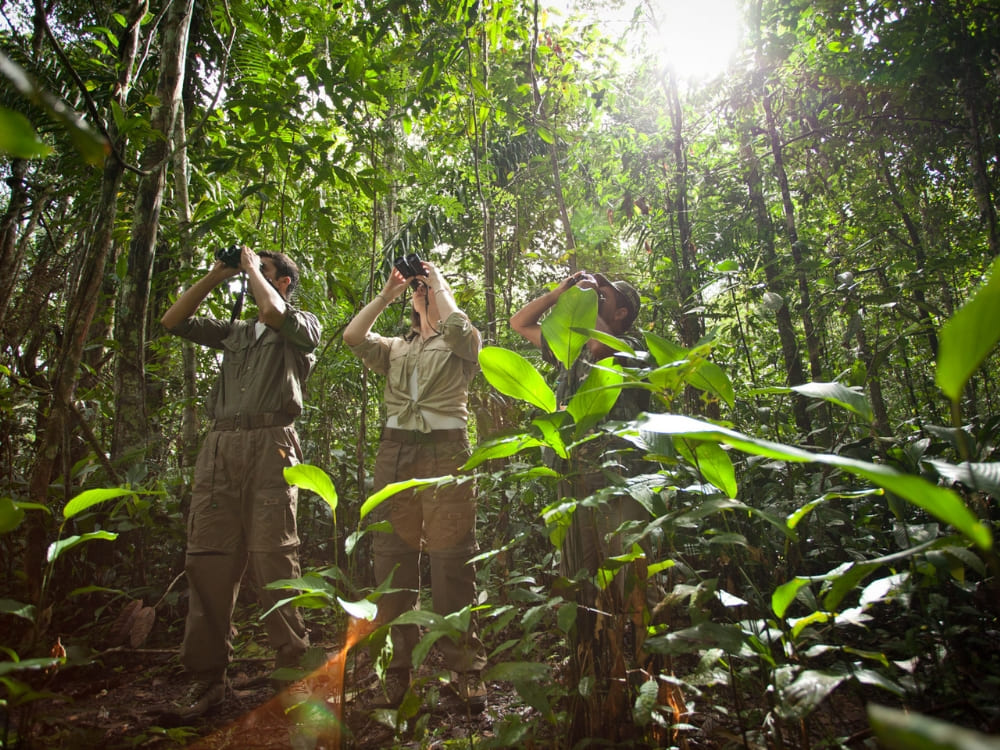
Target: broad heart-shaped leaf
941	503
60	546
596	395
576	308
89	498
838	394
907	730
316	480
968	337
514	376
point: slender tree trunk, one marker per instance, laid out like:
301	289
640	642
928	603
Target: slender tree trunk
10	256
918	251
131	419
786	330
797	247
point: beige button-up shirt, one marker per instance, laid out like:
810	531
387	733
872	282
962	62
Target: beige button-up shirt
443	365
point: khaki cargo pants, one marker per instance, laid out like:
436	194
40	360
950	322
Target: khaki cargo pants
242	515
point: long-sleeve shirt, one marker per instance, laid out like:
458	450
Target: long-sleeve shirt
442	367
262	371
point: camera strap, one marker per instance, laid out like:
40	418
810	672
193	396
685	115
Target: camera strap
238	305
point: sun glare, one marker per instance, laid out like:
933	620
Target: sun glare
697	37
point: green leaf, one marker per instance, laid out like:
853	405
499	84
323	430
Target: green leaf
518	671
359	610
316	480
982	477
59	547
501	448
596	395
942	503
809	689
18	609
575	309
90	498
18	139
11	515
908	730
839	394
784	595
514	376
712	462
968	336
711	378
395	488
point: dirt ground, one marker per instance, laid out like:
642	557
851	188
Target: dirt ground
126	700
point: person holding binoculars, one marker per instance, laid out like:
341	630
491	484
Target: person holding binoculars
427	374
242	510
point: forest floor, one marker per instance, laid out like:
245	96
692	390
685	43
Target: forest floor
127	700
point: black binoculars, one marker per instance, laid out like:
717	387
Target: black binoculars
409	266
230	255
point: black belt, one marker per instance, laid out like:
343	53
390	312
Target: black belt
415	436
252	422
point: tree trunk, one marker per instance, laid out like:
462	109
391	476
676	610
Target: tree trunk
131	420
80	312
786	331
797	247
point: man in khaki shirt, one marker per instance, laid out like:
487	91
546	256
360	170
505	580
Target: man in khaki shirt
242	510
427	374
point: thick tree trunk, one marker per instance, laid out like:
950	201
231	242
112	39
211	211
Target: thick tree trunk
131	420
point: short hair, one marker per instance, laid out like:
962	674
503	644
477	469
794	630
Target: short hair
283	266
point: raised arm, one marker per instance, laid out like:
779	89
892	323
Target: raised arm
187	304
361	324
527	320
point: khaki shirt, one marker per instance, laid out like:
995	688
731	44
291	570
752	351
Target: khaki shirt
259	375
444	363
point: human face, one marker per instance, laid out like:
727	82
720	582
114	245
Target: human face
270	272
608	303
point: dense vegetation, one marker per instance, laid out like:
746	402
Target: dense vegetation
813	233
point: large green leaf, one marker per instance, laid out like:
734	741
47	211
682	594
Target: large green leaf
11	515
316	480
57	548
18	138
90	498
968	336
514	376
712	462
839	394
942	503
501	448
908	730
596	395
575	309
395	488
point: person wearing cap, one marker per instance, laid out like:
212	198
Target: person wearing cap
588	541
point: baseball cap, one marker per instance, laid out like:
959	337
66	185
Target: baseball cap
627	294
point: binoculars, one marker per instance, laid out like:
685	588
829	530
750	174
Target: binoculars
230	255
409	267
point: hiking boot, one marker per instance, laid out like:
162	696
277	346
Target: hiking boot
465	693
202	696
390	693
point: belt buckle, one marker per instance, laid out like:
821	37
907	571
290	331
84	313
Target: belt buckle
237	422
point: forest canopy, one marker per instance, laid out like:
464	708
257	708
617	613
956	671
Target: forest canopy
812	227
